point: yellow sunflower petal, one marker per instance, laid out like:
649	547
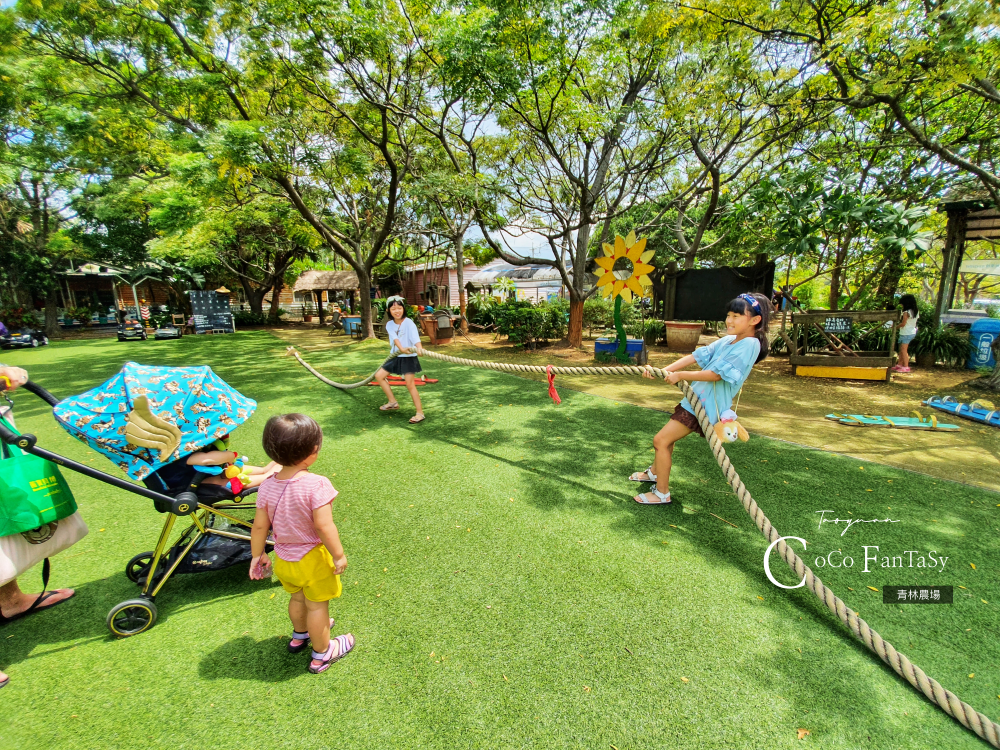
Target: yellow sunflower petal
608	249
636	250
606	263
647	256
606	279
634	285
630	239
638	269
626	294
619	285
645	280
620	248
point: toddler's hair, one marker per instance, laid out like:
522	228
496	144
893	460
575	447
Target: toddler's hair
743	306
291	438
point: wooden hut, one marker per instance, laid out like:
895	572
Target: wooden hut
329	282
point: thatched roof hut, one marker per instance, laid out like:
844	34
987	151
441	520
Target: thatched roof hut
337	281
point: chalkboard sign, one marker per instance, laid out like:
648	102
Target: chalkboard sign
837	325
210	312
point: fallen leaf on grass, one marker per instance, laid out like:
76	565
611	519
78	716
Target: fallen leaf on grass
505	677
802	733
586	689
685	679
984	601
100	529
761	598
963	587
272	595
972	565
873	589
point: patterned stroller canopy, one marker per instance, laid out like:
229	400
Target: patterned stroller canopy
147	417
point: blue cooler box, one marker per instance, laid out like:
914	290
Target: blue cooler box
981	336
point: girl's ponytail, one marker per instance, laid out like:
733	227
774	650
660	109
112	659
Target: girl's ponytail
753	303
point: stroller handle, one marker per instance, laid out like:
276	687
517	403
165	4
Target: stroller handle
32	387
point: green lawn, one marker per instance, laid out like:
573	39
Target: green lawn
503	588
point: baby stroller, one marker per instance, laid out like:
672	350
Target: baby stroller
147	420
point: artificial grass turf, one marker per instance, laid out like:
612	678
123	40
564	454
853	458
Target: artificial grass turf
568	617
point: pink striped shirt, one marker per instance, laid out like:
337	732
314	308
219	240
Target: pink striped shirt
290	504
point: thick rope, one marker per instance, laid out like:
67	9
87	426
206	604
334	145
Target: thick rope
950	703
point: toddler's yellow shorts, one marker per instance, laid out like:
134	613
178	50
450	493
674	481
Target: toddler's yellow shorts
312	575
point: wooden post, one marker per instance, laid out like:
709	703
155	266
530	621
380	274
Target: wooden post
954	248
670	291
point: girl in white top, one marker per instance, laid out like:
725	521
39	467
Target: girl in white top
907	331
405	340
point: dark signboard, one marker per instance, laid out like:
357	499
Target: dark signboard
837	325
210	312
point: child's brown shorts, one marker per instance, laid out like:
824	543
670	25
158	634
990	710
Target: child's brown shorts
687	419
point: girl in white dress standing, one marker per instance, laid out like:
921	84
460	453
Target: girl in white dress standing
405	340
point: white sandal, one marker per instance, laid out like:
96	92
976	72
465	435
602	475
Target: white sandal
663	498
649	473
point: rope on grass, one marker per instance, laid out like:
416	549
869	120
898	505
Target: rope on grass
950	703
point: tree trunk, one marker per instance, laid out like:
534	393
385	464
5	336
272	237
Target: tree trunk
460	279
52	329
834	300
319	304
273	316
365	303
894	269
575	333
994	380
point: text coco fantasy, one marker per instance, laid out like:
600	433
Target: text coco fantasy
866	558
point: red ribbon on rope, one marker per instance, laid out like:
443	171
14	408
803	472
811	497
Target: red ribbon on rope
552	384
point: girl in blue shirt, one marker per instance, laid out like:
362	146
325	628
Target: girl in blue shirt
724	365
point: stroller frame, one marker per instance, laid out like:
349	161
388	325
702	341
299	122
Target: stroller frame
134	616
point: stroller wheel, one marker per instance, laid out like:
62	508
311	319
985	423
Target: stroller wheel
137	568
131	617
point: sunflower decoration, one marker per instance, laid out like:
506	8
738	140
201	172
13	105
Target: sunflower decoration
626	268
626	273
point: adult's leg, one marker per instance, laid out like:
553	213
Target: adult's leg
380	377
318	618
13	601
663	444
412	388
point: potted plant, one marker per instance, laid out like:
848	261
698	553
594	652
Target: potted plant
940	344
654	331
307	312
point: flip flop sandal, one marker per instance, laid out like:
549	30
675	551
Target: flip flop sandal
663	498
649	473
340	647
389	407
414	420
37	606
301	640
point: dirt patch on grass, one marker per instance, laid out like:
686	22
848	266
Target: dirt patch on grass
779	405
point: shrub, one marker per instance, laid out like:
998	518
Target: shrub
655	331
16	318
247	318
596	313
525	325
481	309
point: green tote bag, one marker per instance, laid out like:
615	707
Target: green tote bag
32	491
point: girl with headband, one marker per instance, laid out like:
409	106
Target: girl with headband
723	366
405	340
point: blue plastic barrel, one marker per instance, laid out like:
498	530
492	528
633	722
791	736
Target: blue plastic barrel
981	337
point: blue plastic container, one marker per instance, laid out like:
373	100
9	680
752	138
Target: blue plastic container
634	348
981	336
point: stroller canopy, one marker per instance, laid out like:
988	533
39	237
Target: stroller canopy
147	417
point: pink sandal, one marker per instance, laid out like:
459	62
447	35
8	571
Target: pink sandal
339	647
301	640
